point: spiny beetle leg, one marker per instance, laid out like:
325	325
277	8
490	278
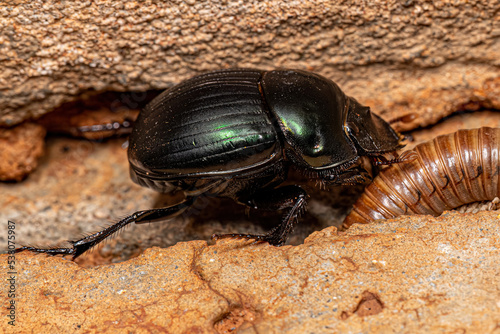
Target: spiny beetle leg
404	157
82	245
119	127
293	197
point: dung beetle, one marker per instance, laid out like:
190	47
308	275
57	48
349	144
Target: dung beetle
236	133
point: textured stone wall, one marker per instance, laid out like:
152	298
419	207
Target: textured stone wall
416	61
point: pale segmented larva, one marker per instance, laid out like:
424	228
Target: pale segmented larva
442	174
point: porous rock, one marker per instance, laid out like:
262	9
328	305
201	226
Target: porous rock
411	275
412	61
20	148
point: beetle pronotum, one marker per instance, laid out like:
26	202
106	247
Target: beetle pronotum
442	174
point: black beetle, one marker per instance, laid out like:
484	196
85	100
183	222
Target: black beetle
235	133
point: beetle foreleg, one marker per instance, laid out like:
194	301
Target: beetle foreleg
405	157
82	245
293	197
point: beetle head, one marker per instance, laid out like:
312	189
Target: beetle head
372	135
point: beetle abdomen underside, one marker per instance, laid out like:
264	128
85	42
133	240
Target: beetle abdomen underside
449	171
213	123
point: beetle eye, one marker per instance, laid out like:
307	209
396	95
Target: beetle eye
352	127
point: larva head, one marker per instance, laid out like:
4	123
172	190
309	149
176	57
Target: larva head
372	135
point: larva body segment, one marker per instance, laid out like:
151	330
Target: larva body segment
447	172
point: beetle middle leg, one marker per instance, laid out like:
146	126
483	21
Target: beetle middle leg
287	197
84	244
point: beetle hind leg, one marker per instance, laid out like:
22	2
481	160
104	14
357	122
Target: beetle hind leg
82	245
287	197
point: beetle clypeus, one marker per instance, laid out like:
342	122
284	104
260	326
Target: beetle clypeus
235	133
442	174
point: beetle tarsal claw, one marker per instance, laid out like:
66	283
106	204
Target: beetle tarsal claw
50	251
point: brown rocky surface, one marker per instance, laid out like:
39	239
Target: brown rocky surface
20	149
412	275
415	61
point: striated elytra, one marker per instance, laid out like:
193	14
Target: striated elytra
236	133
